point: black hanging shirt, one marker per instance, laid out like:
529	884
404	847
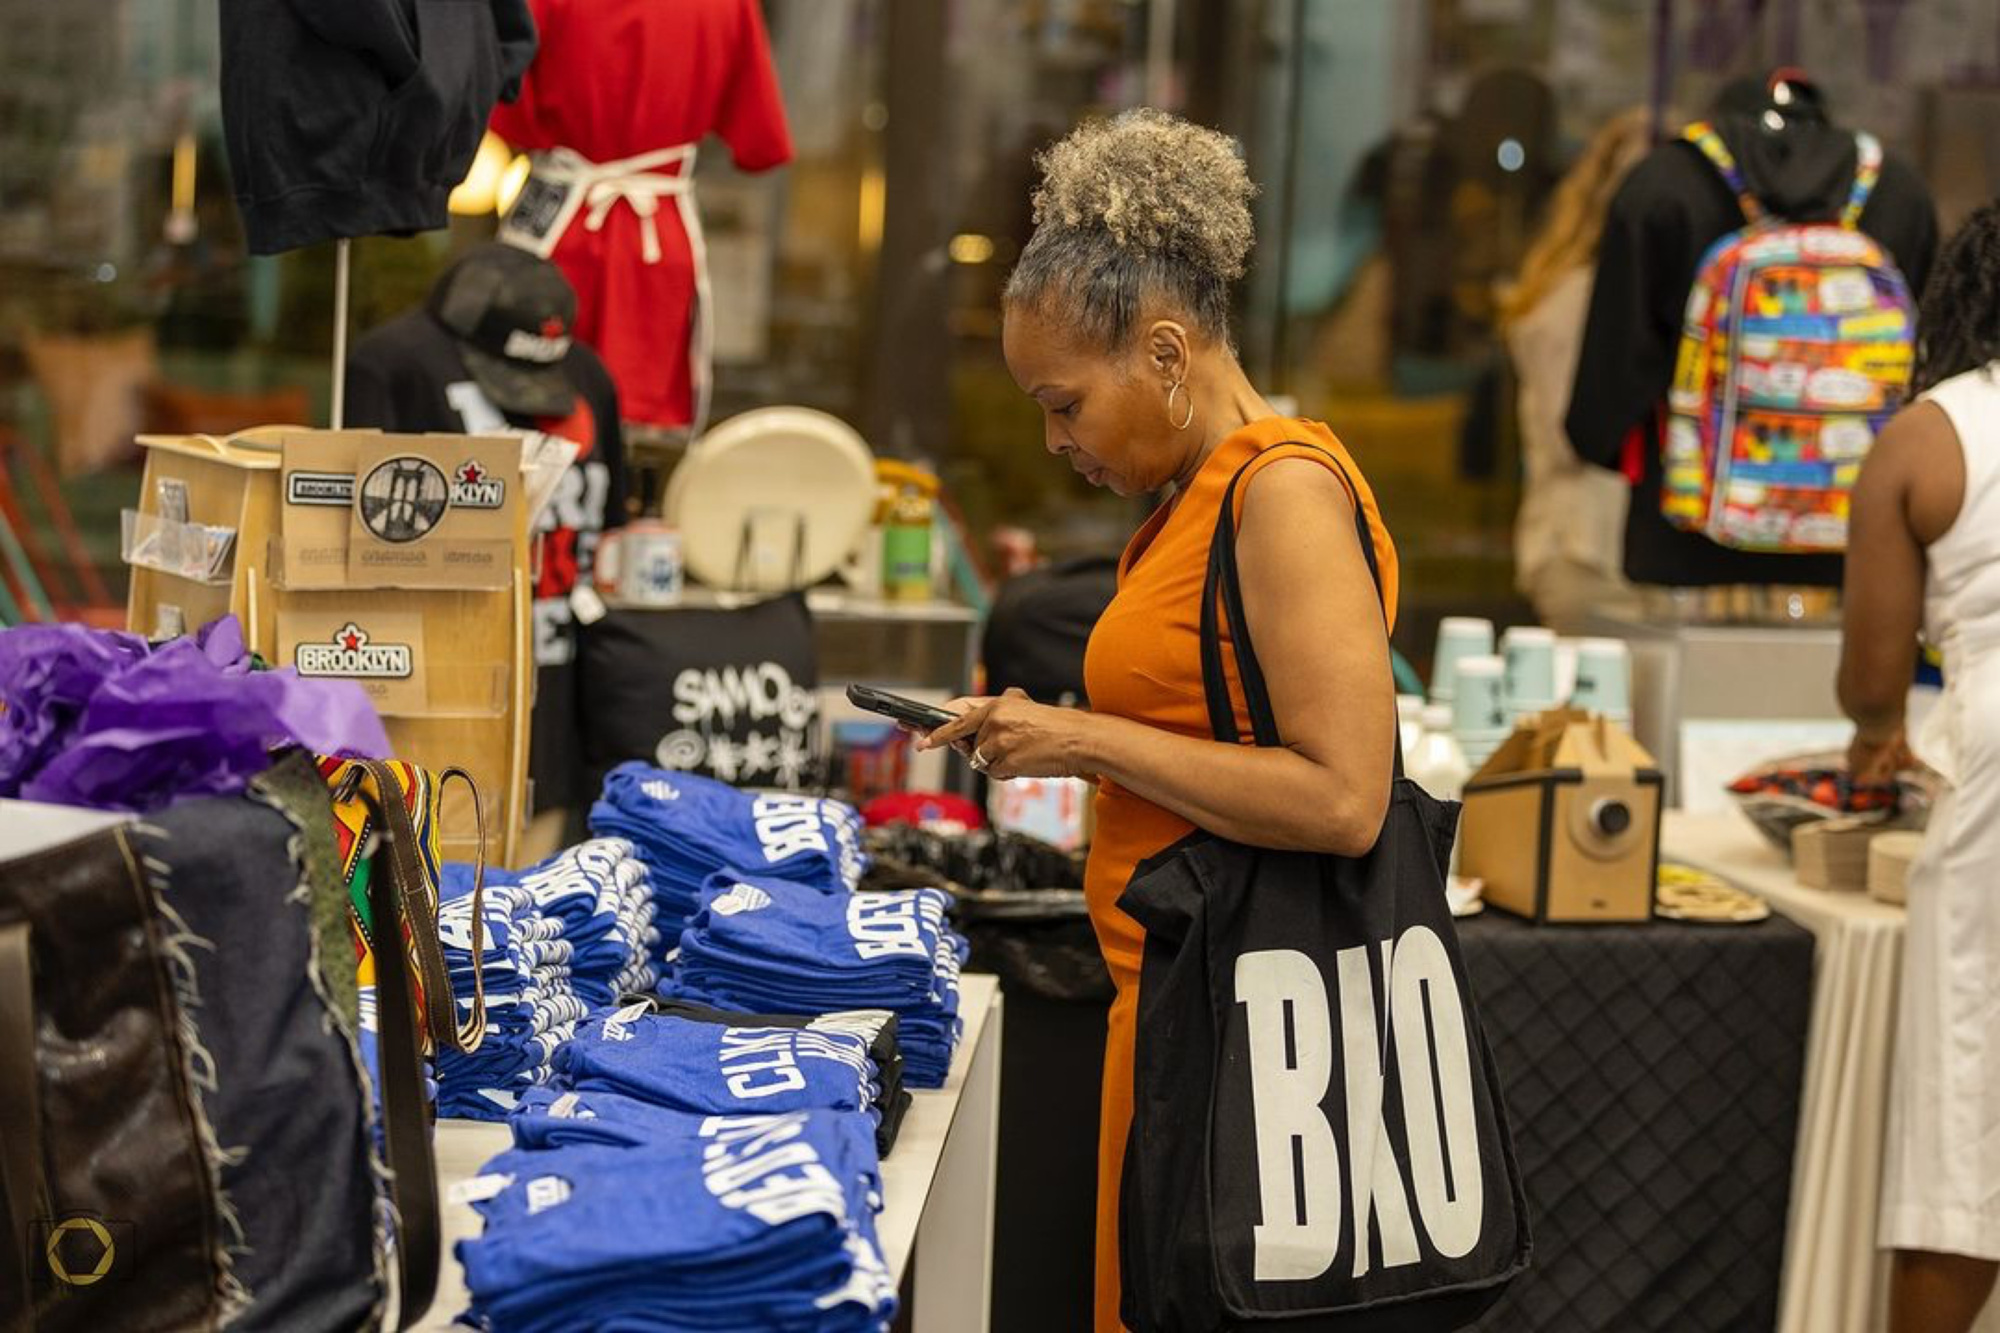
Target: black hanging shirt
408	376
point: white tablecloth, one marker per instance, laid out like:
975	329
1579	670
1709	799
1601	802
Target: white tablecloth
1835	1280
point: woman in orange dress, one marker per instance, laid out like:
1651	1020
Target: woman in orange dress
1117	324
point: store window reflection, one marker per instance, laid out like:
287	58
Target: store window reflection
1011	78
1409	156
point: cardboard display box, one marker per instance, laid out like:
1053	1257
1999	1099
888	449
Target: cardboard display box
361	509
230	483
451	669
1563	822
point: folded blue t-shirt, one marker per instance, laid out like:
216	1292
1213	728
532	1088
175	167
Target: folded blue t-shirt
770	921
724	1221
707	825
714	1069
560	1118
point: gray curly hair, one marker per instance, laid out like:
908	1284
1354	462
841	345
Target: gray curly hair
1144	205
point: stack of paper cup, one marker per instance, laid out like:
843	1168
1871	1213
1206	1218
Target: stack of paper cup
1459	637
1409	724
1566	651
1529	652
1604	679
1478	708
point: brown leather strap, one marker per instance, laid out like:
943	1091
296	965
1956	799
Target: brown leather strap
21	1177
473	1031
406	1120
403	858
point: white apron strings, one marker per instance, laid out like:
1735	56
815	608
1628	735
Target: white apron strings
593	189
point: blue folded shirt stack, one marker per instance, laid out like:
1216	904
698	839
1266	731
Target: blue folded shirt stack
713	1223
560	939
716	1069
601	895
687	828
531	1007
773	946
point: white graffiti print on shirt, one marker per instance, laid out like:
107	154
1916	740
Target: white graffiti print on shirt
1292	1059
785	758
681	751
794	758
762	692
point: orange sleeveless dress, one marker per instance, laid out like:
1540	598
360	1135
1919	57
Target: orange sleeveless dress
1144	663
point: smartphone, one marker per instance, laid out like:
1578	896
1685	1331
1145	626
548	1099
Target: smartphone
922	716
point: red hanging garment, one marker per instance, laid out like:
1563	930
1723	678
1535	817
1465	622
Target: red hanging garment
619	95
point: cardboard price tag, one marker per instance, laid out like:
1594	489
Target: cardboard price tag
434	512
382	651
362	509
318	492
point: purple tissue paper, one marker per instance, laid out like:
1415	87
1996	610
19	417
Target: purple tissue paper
93	718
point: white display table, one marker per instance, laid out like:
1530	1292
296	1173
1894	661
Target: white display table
1835	1280
27	827
938	1184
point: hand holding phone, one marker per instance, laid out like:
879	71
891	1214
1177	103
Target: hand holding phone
897	708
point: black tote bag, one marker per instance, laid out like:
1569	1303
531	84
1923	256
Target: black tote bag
728	693
1318	1133
175	1087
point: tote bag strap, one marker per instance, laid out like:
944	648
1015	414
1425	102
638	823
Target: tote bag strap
1223	581
1224	585
405	1116
22	1189
403	857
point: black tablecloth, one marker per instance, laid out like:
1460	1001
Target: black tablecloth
1652	1077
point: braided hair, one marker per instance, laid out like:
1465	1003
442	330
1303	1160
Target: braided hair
1958	325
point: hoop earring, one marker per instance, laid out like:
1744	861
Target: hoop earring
1182	424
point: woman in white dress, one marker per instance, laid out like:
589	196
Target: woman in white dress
1924	556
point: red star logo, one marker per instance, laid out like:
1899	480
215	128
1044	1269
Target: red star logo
351	638
552	327
471	473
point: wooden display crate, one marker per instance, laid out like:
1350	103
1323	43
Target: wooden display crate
477	645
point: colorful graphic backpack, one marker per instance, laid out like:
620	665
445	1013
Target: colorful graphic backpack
1797	349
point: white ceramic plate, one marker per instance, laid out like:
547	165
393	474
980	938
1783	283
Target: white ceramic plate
768	470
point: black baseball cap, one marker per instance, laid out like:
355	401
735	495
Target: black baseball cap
512	313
